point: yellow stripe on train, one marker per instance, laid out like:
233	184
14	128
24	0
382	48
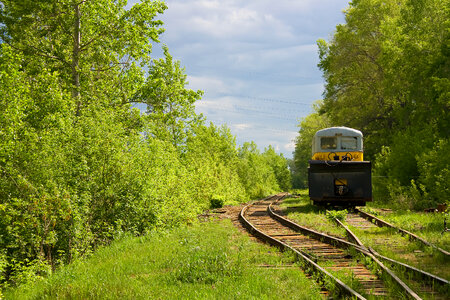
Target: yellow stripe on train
348	156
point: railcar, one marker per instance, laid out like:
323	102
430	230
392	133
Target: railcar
337	172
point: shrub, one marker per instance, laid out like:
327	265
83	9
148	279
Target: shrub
217	201
336	214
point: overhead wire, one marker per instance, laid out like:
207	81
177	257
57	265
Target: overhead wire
295	102
276	116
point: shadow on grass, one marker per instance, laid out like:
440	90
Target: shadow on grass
300	206
292	201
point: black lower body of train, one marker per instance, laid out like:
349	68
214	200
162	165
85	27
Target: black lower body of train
340	183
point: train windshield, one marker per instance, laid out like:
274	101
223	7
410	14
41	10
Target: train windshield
328	143
349	143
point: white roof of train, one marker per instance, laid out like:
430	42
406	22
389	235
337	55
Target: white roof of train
345	131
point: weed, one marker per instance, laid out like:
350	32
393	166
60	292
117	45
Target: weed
336	214
301	211
211	260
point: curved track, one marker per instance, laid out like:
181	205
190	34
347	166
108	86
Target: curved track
321	255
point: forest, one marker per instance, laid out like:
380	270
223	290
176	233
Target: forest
80	165
387	74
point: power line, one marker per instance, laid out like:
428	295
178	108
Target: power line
295	102
255	128
275	116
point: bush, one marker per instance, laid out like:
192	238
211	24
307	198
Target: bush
217	202
434	168
336	214
413	173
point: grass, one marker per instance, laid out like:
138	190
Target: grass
301	211
389	243
384	240
429	226
207	261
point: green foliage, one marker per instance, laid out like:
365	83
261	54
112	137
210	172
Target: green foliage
217	202
79	166
387	74
336	214
434	167
413	173
255	174
211	159
279	166
170	106
308	128
97	47
209	261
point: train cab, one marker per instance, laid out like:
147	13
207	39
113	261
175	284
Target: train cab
337	172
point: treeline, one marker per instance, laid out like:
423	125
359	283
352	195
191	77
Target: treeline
387	72
79	165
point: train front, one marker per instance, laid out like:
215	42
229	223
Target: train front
337	173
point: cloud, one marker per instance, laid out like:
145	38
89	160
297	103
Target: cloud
240	127
256	61
289	147
206	83
227	20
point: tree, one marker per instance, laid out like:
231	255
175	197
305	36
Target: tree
353	68
279	165
256	175
170	105
303	143
95	46
387	73
212	159
67	133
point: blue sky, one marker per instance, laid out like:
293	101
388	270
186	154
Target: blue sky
256	61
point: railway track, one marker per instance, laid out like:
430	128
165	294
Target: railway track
327	256
428	286
316	254
361	218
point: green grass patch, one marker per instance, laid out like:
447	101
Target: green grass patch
390	243
429	226
303	212
386	241
208	261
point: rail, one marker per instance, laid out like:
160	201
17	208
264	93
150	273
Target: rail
318	270
379	222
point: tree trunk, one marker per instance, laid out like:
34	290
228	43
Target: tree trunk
76	59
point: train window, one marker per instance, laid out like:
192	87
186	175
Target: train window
328	143
349	143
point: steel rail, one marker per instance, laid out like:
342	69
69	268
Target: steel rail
343	244
318	270
379	222
419	274
400	282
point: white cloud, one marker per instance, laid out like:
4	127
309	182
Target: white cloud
240	127
227	20
206	83
289	147
241	52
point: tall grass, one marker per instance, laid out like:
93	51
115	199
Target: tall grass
207	261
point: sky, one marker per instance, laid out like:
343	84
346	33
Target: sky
255	60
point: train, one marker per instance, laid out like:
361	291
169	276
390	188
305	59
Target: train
337	172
